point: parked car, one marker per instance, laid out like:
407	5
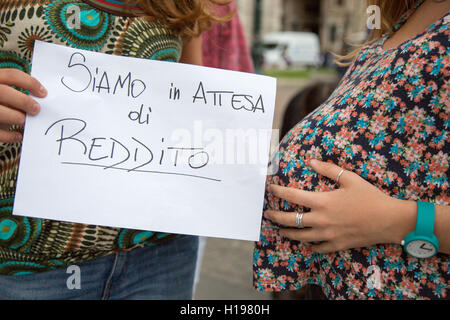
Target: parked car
283	50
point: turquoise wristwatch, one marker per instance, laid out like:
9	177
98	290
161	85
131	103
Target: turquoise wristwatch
422	243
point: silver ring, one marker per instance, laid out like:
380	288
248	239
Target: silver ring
299	220
339	175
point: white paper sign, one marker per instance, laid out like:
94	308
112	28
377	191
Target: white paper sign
147	145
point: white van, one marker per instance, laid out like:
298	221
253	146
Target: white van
287	49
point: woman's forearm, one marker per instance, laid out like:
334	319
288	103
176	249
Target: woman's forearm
404	216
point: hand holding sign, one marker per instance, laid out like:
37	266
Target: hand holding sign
143	144
14	104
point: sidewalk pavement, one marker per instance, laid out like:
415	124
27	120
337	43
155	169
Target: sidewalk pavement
226	272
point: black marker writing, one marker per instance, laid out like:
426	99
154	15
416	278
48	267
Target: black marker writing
139	115
131	155
88	74
147	149
101	81
201	90
112	153
204	159
236	101
174	93
93	145
71	123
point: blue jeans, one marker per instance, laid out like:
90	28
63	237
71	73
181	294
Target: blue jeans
164	271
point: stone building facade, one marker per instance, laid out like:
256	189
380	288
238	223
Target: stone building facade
337	22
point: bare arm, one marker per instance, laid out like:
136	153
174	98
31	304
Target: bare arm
405	222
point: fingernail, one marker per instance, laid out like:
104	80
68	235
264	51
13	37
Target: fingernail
17	136
313	161
43	91
266	214
36	108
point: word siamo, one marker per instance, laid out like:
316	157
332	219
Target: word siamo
237	101
112	153
87	79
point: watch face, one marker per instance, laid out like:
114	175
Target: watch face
421	249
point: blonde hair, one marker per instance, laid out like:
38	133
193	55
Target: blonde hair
391	11
187	18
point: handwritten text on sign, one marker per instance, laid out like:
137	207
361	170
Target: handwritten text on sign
146	145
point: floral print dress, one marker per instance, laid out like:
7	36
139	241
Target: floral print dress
387	121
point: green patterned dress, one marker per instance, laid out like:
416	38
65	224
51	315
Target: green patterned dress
29	245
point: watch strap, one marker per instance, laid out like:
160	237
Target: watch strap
425	219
